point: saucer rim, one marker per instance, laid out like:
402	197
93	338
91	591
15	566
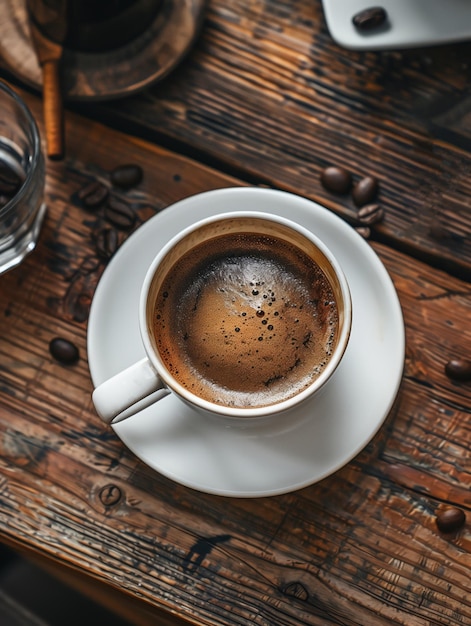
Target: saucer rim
184	206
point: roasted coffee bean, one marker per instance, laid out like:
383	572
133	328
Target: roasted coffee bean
106	242
370	18
336	179
4	199
458	369
120	214
126	176
364	231
10	181
450	519
93	195
370	214
365	191
64	351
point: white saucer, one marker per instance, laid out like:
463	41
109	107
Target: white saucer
411	23
275	457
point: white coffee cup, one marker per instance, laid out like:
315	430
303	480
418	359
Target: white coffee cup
243	315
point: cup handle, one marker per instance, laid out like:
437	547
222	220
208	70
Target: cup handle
128	392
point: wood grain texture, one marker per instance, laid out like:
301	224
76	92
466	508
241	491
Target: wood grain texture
53	113
360	547
267	95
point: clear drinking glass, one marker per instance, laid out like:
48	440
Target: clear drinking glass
22	178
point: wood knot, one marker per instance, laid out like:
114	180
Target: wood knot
296	590
110	495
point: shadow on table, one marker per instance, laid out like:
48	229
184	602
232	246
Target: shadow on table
31	597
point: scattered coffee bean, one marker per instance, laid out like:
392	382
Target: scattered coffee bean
106	242
370	214
336	179
450	520
365	191
364	231
93	195
126	176
64	351
120	214
10	181
370	18
458	369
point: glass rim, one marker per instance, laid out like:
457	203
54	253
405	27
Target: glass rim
36	146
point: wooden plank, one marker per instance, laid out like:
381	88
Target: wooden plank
360	547
268	96
123	605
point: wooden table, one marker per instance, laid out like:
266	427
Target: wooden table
265	98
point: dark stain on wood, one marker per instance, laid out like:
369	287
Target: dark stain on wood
200	550
23	450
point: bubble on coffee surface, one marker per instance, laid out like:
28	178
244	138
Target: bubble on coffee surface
245	321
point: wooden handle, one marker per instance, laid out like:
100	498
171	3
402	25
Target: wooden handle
53	112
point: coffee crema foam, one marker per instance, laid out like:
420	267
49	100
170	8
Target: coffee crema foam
245	320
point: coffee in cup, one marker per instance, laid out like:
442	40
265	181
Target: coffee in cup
245	314
245	320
